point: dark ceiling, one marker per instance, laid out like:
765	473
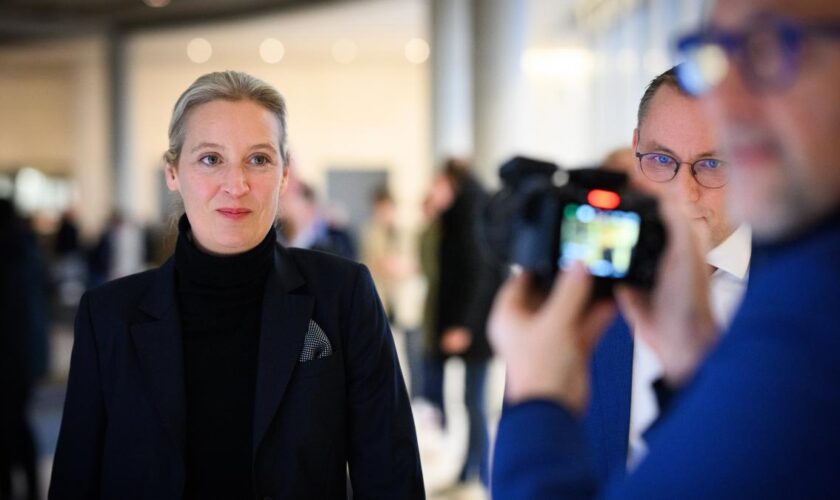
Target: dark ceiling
22	20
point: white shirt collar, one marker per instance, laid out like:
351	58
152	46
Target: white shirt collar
733	254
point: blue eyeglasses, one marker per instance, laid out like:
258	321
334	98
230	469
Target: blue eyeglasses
767	52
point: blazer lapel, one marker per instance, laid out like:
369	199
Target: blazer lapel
160	352
285	317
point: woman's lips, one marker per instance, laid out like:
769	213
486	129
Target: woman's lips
233	213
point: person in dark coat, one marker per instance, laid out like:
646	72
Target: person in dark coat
239	368
459	301
23	314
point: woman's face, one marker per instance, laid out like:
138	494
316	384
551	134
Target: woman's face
229	174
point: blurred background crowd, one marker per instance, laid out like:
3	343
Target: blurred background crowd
401	112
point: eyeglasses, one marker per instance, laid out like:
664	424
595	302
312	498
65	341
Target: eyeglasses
708	172
767	52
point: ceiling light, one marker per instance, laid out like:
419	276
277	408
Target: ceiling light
272	50
199	50
417	51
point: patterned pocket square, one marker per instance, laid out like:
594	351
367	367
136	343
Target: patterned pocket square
316	345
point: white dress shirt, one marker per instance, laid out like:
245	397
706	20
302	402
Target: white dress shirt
732	261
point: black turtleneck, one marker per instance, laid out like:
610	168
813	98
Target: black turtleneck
220	303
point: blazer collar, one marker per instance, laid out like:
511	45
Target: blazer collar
160	297
286	272
286	312
160	351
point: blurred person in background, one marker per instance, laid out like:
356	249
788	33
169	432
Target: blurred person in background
623	161
23	331
620	160
462	281
238	369
120	251
304	226
757	409
381	247
70	269
393	266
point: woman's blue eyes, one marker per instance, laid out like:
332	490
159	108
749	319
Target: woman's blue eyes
260	160
212	160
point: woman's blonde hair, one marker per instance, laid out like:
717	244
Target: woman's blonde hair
228	86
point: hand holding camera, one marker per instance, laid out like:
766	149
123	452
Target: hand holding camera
547	342
653	263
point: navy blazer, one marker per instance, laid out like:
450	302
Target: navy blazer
122	432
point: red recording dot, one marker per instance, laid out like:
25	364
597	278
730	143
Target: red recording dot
603	199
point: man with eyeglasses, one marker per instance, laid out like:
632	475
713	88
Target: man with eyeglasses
757	411
677	154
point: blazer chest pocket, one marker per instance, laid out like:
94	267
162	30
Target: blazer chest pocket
317	367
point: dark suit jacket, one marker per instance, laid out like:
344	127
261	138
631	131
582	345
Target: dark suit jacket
122	433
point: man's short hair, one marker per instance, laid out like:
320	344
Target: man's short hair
667	78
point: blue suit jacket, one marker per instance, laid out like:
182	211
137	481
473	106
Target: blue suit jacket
760	419
607	420
122	432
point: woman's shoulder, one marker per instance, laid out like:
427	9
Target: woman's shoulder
126	290
315	263
325	272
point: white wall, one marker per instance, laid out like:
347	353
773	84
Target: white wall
35	126
54	117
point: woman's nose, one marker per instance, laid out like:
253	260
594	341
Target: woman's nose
236	181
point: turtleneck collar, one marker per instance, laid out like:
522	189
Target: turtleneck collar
222	272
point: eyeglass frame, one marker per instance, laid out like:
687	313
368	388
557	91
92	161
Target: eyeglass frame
692	168
790	37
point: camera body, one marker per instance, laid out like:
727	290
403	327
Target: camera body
545	218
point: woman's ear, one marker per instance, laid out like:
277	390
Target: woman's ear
284	179
171	173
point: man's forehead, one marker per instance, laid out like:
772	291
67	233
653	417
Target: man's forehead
735	13
669	101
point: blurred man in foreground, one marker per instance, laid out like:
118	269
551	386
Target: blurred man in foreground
756	414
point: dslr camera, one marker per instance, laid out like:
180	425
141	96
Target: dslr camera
544	218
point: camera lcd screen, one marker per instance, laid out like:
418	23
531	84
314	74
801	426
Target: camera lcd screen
601	239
